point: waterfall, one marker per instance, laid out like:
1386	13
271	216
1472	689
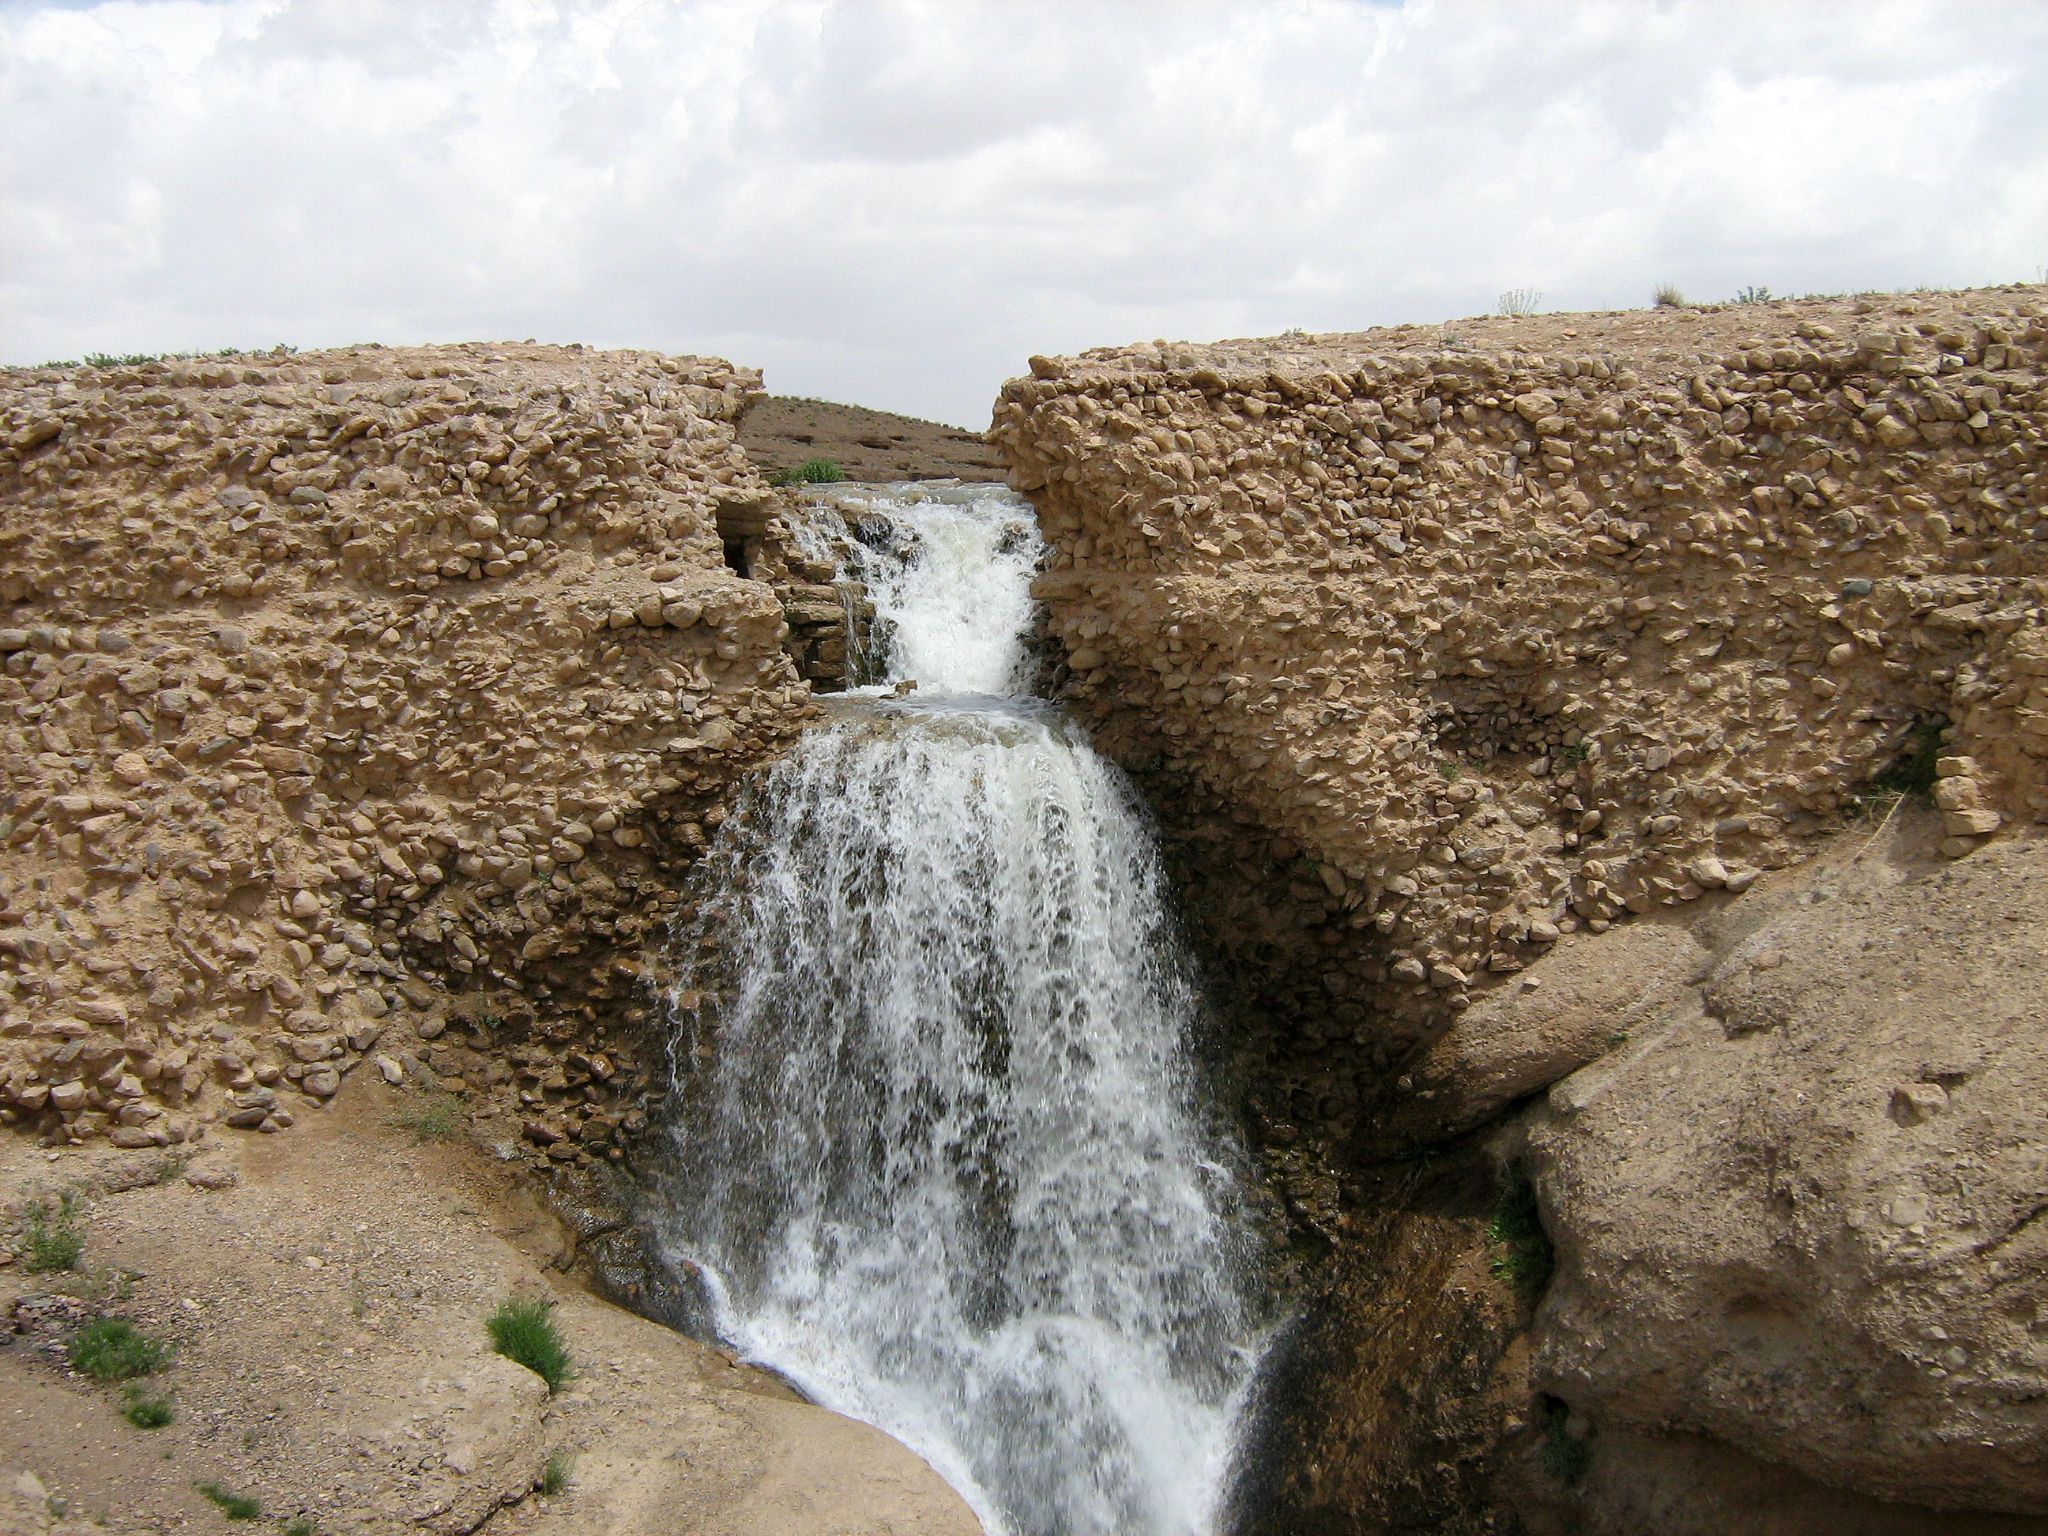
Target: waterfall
940	1158
948	569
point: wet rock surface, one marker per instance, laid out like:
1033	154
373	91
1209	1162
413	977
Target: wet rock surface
1397	1397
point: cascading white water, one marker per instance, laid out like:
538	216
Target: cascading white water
940	1157
948	569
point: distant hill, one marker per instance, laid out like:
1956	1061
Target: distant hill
783	431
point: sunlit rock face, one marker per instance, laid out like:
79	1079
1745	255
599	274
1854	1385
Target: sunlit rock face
1436	644
337	683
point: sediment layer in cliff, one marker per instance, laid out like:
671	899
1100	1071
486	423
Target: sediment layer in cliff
332	685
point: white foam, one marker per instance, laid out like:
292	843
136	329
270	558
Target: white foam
941	1156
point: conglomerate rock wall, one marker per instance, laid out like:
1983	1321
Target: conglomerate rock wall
1433	645
331	685
1604	755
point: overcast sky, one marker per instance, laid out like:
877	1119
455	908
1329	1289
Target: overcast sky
895	204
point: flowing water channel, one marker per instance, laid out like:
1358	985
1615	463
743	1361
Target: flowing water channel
941	1159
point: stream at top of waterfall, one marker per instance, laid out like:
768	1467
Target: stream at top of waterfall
940	1154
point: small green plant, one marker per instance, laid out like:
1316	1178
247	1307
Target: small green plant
147	1410
52	1240
554	1477
1450	771
1667	296
135	359
1576	752
1524	1257
810	472
430	1116
525	1332
1753	295
1519	301
236	1506
301	1525
1564	1455
114	1349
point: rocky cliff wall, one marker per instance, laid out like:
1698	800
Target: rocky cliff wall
1434	645
1790	1261
1603	755
337	687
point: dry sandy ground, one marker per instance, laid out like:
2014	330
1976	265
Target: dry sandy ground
1655	343
326	1292
783	431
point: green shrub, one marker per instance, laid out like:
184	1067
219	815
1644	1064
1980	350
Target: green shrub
554	1477
236	1506
53	1240
146	1410
1753	296
136	359
810	472
301	1525
525	1331
1525	1257
113	1349
1519	301
1668	297
430	1116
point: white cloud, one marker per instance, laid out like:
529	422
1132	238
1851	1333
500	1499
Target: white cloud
897	201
